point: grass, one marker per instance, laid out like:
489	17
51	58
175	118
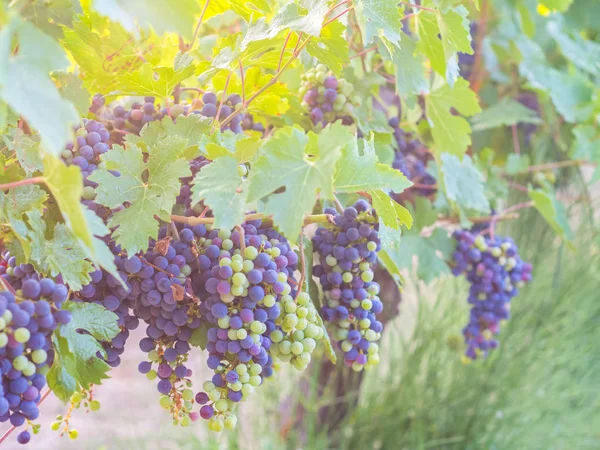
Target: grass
539	390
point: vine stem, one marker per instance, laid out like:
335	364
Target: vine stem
216	122
476	78
518	206
556	165
515	137
287	38
338	204
299	47
7	286
13	428
412	5
191	45
315	218
25	182
243	81
364	52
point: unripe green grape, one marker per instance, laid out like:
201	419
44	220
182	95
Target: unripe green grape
305	358
227	298
354	304
39	356
88	193
255	380
3	340
165	401
232	334
341	334
224	262
76	398
94	405
20	363
302	324
276	336
223	322
285	347
227	244
151	375
214	395
247	264
237	386
221	405
365	324
366	304
187	394
241	369
153	355
346	346
241	334
298	335
244	378
347	277
230	422
237	290
370	335
309	345
7	316
186	270
247	389
73	434
250	253
364	266
186	421
367	276
330	260
255	369
237	265
311	331
371	246
290	307
282	277
55	426
269	300
297	348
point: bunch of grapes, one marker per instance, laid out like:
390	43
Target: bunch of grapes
253	312
121	121
495	272
346	252
211	107
249	124
185	192
27	319
166	302
327	98
411	158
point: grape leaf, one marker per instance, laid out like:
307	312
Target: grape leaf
305	17
517	163
76	364
451	133
245	149
149	197
27	88
431	253
506	112
379	18
28	150
410	70
442	35
223	189
71	88
586	146
302	163
572	93
199	336
391	240
464	184
553	211
102	255
310	287
10	170
51	16
584	54
66	185
357	172
390	213
331	47
177	17
60	255
154	81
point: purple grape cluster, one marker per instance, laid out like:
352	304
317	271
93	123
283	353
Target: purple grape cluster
121	121
91	141
253	314
185	192
411	158
495	272
249	124
327	98
346	252
211	107
27	319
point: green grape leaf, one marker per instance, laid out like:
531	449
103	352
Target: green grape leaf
223	189
28	150
517	163
245	149
76	364
442	35
60	255
305	17
464	184
586	146
571	92
177	17
505	113
379	18
583	53
27	88
149	197
71	88
102	255
13	205
553	212
10	170
66	185
331	47
304	164
311	287
357	172
50	17
154	81
391	240
451	133
431	253
391	213
411	76
199	336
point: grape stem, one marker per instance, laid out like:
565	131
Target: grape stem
338	16
477	75
556	165
515	136
242	238
8	287
25	182
243	82
315	218
338	204
189	46
287	38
